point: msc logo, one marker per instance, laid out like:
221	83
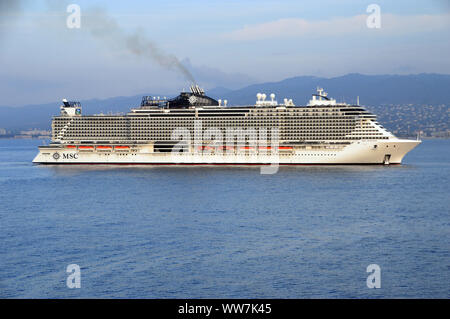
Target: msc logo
70	156
56	156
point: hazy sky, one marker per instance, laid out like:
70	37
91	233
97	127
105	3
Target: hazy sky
132	47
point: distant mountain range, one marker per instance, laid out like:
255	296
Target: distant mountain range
373	90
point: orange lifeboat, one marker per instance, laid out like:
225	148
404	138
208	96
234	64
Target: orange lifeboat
121	147
86	147
104	147
228	148
71	146
285	148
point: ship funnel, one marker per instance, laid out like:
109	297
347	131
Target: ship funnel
195	89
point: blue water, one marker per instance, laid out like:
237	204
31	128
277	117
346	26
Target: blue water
219	232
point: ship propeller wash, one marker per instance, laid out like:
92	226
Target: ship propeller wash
194	129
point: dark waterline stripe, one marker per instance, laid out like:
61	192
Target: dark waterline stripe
220	164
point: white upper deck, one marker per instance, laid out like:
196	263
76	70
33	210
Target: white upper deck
321	98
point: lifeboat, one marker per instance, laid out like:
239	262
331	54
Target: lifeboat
228	148
71	146
104	147
204	148
247	148
285	148
265	148
86	147
121	147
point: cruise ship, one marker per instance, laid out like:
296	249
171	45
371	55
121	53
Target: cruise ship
194	129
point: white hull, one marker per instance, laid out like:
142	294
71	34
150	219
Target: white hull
389	151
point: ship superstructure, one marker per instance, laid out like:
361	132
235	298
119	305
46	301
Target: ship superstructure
203	130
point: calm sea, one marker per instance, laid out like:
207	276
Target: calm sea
216	232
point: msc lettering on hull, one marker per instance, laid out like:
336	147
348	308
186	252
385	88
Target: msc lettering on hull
70	156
